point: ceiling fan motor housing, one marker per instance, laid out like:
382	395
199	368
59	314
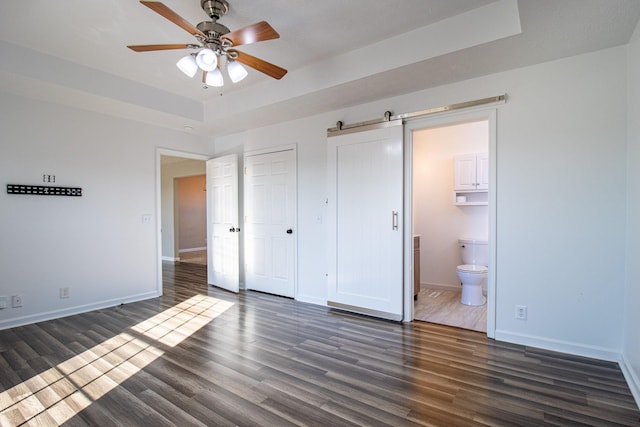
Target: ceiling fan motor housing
215	8
212	29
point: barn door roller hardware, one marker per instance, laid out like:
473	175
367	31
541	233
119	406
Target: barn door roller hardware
389	118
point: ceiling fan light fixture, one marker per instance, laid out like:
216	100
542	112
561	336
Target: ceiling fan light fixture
207	59
214	78
187	64
215	47
236	71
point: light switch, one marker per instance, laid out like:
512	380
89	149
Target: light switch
146	219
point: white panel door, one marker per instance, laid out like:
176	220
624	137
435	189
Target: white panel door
270	235
365	221
222	223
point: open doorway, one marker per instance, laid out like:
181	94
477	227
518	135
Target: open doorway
172	166
450	206
190	218
180	196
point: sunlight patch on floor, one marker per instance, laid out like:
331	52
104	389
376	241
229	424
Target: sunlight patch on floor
57	394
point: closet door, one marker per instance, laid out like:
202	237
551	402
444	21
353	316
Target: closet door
365	221
270	216
222	223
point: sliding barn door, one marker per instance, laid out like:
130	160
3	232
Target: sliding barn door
365	221
222	223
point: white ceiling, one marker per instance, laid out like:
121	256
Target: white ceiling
74	52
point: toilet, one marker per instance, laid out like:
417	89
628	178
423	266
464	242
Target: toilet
473	271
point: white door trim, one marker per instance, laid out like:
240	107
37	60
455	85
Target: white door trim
452	118
273	150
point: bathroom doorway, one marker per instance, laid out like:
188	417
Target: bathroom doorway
444	211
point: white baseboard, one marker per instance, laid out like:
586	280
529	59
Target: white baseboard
633	381
70	311
170	258
180	251
601	353
577	349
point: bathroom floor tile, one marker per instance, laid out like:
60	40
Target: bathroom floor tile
443	306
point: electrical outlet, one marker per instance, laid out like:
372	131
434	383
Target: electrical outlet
64	292
521	312
16	301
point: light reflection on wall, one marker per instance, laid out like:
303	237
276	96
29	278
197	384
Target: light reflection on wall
57	394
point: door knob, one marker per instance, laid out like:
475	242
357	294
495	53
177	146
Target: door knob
289	231
233	230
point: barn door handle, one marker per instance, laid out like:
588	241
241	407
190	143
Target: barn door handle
394	220
289	231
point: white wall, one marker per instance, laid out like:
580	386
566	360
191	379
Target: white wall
631	352
95	244
561	201
561	204
560	195
438	221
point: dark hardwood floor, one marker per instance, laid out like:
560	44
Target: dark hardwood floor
202	356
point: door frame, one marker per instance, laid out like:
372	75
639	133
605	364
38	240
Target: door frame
445	119
243	213
159	153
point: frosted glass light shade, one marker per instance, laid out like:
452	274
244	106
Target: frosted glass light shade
214	78
187	65
207	60
236	71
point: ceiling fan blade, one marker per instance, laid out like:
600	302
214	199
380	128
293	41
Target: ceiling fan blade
152	47
258	32
261	65
163	10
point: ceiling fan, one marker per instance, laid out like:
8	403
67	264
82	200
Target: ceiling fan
216	44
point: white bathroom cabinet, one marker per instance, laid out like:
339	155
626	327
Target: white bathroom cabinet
471	179
472	172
